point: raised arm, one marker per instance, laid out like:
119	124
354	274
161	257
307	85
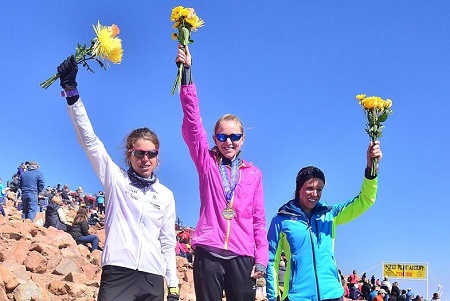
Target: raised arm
194	133
87	138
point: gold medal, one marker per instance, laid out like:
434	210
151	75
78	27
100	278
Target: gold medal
228	213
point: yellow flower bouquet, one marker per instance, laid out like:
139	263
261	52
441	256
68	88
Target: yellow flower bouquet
105	46
185	21
377	111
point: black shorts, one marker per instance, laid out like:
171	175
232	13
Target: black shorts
123	284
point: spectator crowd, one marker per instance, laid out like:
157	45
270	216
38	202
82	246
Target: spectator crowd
25	191
372	289
89	210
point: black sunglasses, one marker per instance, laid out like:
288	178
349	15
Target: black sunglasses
138	153
224	137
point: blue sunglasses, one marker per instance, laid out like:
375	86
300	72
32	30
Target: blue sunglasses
224	137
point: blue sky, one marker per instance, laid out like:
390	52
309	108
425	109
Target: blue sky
290	70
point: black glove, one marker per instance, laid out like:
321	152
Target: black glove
68	73
173	297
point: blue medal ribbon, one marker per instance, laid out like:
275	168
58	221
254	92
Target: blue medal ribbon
227	186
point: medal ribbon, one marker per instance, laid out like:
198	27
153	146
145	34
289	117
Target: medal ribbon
227	186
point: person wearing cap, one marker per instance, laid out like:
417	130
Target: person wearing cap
386	285
381	295
138	258
305	229
31	184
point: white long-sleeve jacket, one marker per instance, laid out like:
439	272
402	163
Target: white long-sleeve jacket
140	223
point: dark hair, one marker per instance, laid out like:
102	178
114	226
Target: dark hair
304	175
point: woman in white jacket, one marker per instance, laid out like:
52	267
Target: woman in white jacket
139	249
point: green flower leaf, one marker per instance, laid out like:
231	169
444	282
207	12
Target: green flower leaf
184	36
383	117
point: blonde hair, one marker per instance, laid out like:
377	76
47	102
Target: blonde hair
57	200
229	117
226	117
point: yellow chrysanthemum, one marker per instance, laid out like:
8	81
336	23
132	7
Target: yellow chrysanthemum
376	110
388	104
369	104
116	55
176	13
360	96
365	103
187	12
106	45
195	22
377	102
184	21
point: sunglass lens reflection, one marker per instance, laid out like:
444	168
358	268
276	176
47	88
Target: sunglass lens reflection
141	153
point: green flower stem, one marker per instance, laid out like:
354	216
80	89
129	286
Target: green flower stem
183	39
80	59
373	167
49	81
82	55
177	82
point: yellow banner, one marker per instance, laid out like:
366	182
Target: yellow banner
416	271
405	270
393	270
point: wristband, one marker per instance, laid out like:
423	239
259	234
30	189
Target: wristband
174	290
69	93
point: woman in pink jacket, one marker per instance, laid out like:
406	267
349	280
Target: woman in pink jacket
230	240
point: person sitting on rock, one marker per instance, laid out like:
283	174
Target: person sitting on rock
80	229
94	218
55	216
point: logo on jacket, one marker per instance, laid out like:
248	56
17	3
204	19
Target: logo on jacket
156	206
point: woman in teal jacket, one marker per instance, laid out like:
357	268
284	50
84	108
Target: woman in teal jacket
304	229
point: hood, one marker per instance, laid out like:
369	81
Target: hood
292	207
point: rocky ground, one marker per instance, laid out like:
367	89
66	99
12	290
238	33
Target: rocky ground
41	264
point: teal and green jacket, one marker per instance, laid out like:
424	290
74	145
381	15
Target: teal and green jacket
308	243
